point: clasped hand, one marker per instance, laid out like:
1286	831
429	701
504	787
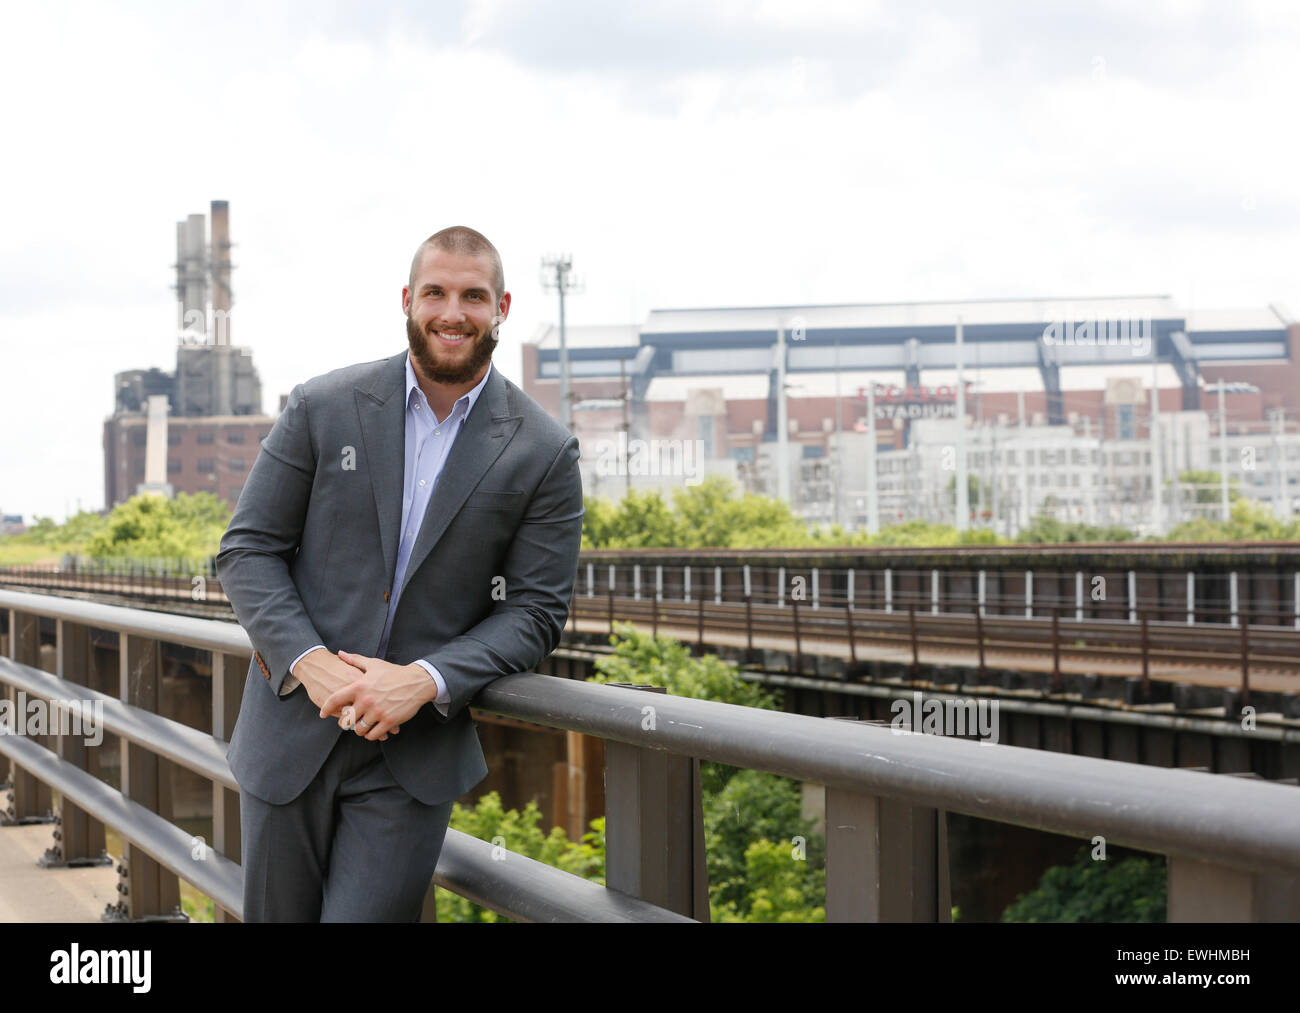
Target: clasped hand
369	696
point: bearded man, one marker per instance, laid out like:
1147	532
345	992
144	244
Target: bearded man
408	533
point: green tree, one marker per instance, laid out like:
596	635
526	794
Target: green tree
742	808
1048	530
641	520
149	525
1208	486
1249	521
755	809
782	888
1130	889
518	832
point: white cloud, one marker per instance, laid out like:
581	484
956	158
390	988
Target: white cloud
686	155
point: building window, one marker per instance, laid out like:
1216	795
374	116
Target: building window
206	464
1126	422
173	437
204	436
233	494
234	436
235	464
704	431
138	437
173	465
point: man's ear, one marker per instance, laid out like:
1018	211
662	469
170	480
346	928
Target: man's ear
406	300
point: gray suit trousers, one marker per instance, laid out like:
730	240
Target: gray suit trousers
353	847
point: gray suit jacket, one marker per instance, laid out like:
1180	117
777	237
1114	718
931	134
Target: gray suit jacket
311	551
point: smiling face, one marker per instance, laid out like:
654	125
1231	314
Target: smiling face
452	314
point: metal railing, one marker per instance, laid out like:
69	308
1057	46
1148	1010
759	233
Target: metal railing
1233	846
968	609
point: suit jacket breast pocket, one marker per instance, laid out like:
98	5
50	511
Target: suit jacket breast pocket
490	499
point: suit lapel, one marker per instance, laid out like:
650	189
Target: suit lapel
382	411
491	424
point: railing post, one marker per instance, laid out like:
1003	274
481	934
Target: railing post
1146	660
749	625
1245	658
654	826
979	638
654	614
1056	648
798	644
848	625
886	861
916	654
32	801
1204	892
611	611
699	624
150	890
79	840
228	675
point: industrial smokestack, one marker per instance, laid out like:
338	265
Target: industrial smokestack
191	276
220	260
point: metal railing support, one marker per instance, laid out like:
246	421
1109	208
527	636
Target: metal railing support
886	861
1245	658
228	674
30	800
79	839
1205	892
150	890
654	824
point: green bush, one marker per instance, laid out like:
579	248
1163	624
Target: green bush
1131	889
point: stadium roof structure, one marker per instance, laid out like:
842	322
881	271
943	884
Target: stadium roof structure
1061	343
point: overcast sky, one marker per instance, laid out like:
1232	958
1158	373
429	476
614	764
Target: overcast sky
686	153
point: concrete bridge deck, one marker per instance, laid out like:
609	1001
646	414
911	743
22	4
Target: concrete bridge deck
29	893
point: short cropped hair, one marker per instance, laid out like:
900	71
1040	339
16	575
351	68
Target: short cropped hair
464	242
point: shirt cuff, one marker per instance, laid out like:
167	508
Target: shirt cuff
290	682
443	698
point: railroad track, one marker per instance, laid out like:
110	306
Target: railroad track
912	629
1106	646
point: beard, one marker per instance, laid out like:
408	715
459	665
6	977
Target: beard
436	367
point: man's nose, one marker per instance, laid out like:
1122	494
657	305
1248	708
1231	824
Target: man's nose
453	311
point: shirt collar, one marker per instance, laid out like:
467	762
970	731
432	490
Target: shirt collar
467	398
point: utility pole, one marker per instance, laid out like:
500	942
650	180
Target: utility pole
1224	513
1084	488
839	440
782	423
1103	487
963	492
995	470
1024	465
627	423
873	493
556	275
1281	509
1175	490
1157	511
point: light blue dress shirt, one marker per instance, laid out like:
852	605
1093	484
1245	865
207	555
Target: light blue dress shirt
428	442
